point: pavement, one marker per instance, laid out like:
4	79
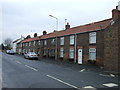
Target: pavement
69	64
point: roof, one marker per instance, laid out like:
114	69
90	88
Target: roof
16	40
31	39
75	30
79	29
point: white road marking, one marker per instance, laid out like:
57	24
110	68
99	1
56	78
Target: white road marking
104	75
89	87
110	84
31	68
82	70
62	81
112	75
18	62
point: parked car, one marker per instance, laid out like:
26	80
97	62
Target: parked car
30	55
10	52
7	51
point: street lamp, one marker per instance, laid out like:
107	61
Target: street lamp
56	21
56	34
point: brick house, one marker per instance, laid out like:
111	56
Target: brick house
112	43
79	44
31	44
82	44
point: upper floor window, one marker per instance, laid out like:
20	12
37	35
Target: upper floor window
34	43
29	43
26	44
72	40
62	41
21	44
45	42
92	37
39	42
53	41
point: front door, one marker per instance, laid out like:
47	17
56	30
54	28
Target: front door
79	56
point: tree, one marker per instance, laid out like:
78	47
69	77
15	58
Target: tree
2	46
8	43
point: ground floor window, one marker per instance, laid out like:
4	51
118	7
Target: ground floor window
71	53
61	52
53	52
92	53
44	52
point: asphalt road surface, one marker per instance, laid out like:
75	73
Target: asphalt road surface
18	72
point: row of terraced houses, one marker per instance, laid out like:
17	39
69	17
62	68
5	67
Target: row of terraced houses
86	44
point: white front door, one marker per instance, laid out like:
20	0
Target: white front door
79	56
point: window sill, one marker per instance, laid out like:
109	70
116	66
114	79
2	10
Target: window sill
92	43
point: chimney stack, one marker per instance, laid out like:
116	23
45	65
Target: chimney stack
115	13
67	26
44	32
35	34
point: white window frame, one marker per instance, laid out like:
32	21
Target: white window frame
92	53
34	43
29	43
62	41
71	53
61	52
53	41
45	42
92	37
39	42
26	44
72	39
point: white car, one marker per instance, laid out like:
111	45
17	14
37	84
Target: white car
30	55
10	52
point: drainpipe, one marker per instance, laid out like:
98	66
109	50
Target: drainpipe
56	49
75	47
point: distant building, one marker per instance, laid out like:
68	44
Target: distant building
15	44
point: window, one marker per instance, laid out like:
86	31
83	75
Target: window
92	53
26	51
21	44
53	41
71	53
72	40
61	52
45	42
26	44
34	43
52	52
39	42
44	51
92	37
62	41
29	43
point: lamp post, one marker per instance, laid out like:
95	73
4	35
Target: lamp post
56	34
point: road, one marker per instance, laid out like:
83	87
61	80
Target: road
18	72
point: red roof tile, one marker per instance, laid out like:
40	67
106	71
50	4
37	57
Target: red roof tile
31	39
79	29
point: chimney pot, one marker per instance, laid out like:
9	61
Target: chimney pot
67	26
35	34
44	32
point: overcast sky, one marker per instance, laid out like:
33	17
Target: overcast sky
22	17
